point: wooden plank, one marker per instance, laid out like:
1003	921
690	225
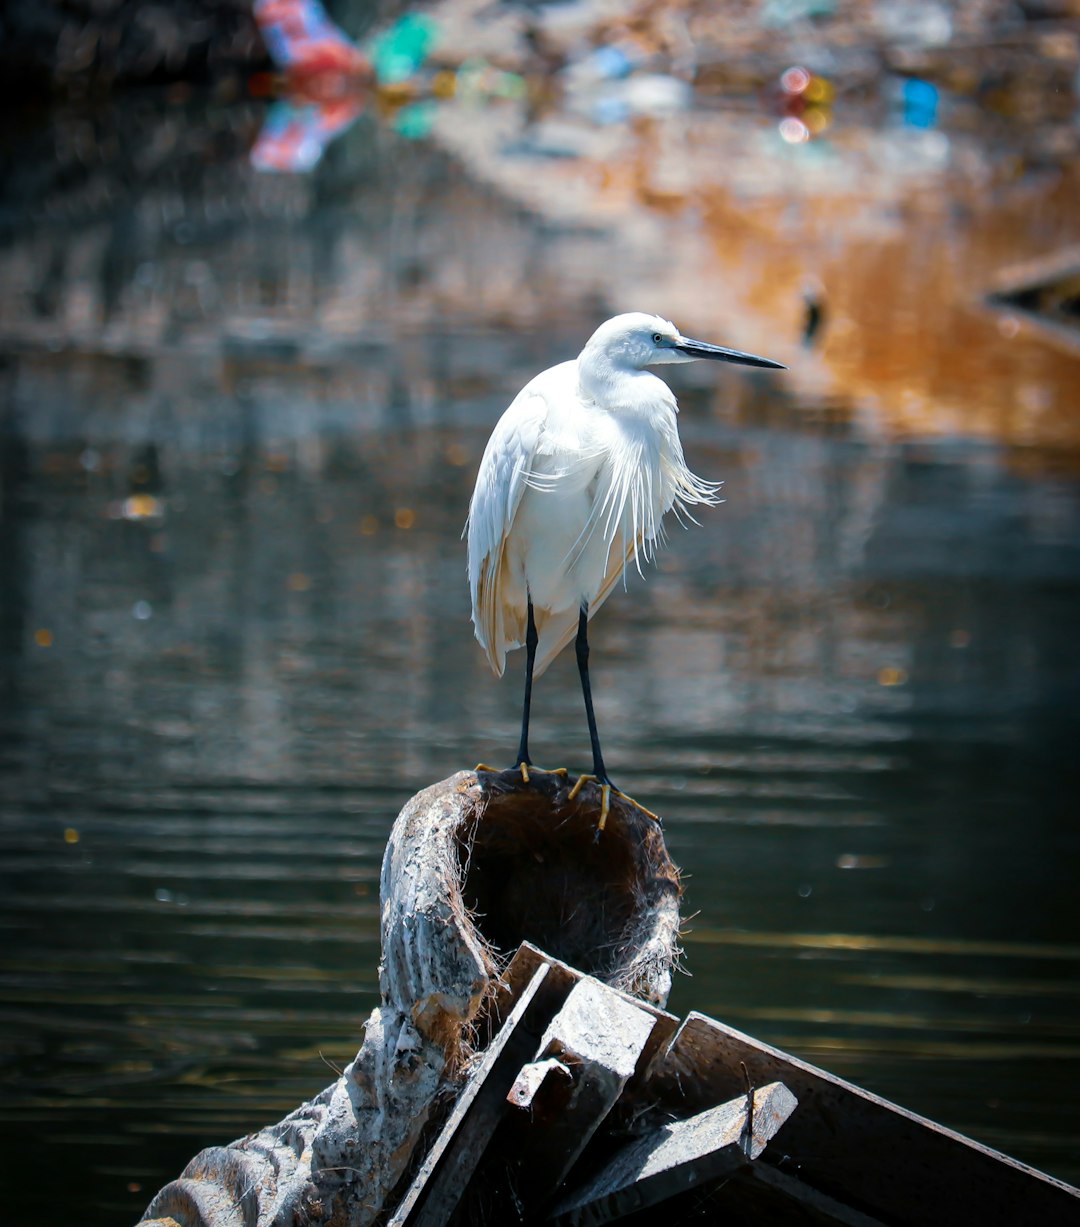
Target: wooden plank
679	1156
856	1147
526	959
597	1038
518	972
438	1185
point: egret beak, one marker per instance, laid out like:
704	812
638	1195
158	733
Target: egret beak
702	349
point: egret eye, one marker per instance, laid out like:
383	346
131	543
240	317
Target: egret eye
658	338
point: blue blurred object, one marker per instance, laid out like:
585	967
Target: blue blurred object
920	103
295	135
609	109
611	63
777	13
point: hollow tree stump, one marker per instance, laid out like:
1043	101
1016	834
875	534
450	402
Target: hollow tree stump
474	866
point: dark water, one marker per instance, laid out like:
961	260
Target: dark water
241	418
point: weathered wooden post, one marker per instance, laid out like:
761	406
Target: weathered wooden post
521	1068
475	865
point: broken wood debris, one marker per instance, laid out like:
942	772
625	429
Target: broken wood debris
677	1157
561	1099
617	1108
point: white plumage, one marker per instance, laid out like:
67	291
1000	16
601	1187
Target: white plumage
574	485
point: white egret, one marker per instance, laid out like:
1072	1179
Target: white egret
573	488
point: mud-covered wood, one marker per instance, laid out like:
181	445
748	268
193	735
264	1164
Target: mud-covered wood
474	866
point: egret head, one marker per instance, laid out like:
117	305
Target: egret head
637	340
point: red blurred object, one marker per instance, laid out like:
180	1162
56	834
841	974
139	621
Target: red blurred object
304	42
324	74
795	80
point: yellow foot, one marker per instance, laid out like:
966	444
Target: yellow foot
582	780
605	798
637	805
525	769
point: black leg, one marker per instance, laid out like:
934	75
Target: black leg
530	657
582	646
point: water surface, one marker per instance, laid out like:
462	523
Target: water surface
241	421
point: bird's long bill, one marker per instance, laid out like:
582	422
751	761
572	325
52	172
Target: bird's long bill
702	349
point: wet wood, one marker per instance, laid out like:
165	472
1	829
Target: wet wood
789	1199
528	1088
582	1060
490	1088
540	870
525	961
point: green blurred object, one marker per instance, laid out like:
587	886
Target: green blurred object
401	50
415	120
777	13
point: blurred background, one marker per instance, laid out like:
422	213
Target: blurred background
267	279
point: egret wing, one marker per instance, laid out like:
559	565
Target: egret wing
506	472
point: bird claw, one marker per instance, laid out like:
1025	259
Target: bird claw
525	769
605	796
606	789
637	805
582	780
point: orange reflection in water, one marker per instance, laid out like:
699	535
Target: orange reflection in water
908	330
899	237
